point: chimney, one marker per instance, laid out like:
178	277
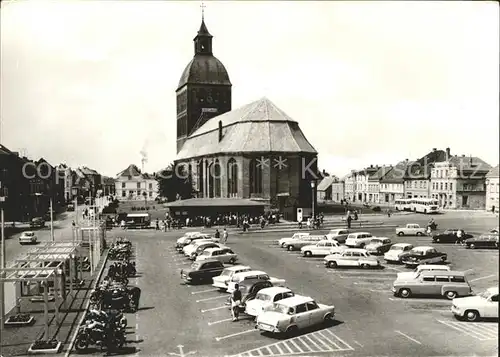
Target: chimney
463	155
220	130
371	166
434	149
448	153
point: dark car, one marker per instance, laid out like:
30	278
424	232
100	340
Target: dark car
450	236
202	271
37	222
249	289
423	255
70	207
483	241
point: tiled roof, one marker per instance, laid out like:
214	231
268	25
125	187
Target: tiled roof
131	170
397	173
256	127
380	173
493	172
327	182
469	163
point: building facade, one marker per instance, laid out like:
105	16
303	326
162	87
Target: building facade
133	185
66	175
392	185
492	190
350	192
325	189
338	190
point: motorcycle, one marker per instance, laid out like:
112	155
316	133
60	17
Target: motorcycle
95	334
113	317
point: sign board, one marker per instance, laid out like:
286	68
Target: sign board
299	215
209	110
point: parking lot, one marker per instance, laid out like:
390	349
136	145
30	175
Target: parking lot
370	321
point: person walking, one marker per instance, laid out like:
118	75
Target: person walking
349	220
224	236
217	233
459	237
235	302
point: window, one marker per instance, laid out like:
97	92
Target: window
442	279
138	192
124	193
232	178
301	308
494	298
428	278
150	186
151	194
446	186
356	254
138	185
278	297
451	186
123	184
457	279
255	177
441	186
312	306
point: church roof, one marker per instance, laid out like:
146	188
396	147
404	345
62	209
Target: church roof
256	127
203	31
204	69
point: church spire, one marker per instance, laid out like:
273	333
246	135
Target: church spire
203	40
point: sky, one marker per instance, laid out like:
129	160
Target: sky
93	83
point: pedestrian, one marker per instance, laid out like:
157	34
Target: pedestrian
493	209
224	236
309	223
157	225
217	233
349	220
429	231
459	237
235	302
300	223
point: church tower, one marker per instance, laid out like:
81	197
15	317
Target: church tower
204	90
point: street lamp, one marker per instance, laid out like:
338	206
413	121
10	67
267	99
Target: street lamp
313	185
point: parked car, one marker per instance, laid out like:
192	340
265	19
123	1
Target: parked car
495	230
421	268
423	255
449	284
295	236
224	278
28	237
322	248
358	239
224	255
483	241
411	229
202	271
37	222
249	289
340	235
352	257
186	240
70	207
253	274
297	244
397	251
188	249
293	314
473	308
199	248
265	299
449	236
379	245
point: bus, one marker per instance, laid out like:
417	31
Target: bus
425	205
403	204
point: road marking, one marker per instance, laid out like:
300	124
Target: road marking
213	298
203	291
235	334
484	277
220	321
479	330
408	337
359	344
214	308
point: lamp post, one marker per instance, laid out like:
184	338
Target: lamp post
313	185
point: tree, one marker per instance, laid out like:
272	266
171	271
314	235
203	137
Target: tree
175	182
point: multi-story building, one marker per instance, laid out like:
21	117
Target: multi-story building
418	174
392	183
459	182
108	186
492	190
65	174
350	192
338	190
374	183
132	184
325	189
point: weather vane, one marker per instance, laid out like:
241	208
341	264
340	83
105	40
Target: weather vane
202	11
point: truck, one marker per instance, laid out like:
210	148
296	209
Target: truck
411	229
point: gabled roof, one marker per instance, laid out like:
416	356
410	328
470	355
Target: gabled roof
397	173
467	163
421	169
327	182
256	127
493	172
379	174
131	170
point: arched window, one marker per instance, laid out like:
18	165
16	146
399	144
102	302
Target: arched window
217	178
255	177
232	178
211	181
201	178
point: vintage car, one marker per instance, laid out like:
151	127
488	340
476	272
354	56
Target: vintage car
411	229
37	222
421	268
265	299
449	284
200	248
252	274
223	255
249	289
397	251
358	239
483	241
28	237
187	249
223	279
202	271
186	240
290	315
495	230
378	245
423	255
352	257
297	235
340	235
322	248
473	308
449	236
297	244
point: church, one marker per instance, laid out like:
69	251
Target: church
252	155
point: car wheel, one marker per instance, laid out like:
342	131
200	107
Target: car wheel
307	254
450	295
401	234
436	240
282	245
362	245
328	318
405	293
471	315
290	248
472	246
419	234
292	330
365	266
232	261
332	264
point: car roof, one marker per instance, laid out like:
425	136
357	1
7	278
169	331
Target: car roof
443	272
208	261
237	267
402	244
26	232
380	238
251	282
433	266
252	272
215	249
274	290
359	250
360	233
423	247
190	234
295	300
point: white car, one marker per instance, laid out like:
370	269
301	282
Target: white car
222	280
397	251
352	257
283	241
293	314
266	298
411	229
253	274
28	238
358	239
424	267
340	235
473	308
223	255
194	245
322	248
